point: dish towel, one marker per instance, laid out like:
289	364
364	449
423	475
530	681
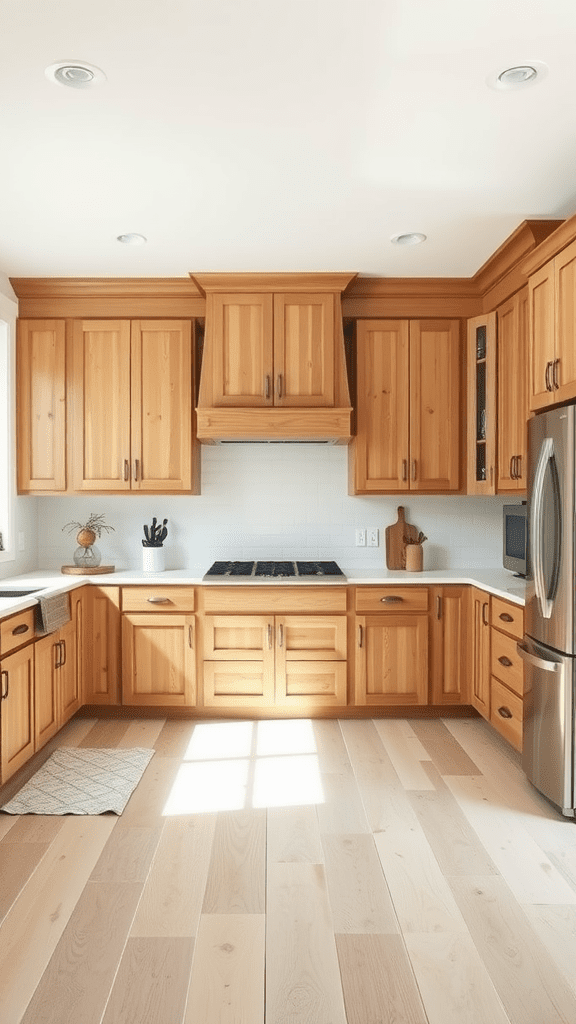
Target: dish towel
51	612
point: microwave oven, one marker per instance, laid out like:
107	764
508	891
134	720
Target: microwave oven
515	538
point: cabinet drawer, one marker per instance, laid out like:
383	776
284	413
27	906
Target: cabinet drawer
267	600
16	630
392	599
506	713
506	664
156	599
507	617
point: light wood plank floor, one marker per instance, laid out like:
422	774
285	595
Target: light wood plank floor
353	872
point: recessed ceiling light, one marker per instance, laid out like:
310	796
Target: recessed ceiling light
75	74
518	76
131	239
411	238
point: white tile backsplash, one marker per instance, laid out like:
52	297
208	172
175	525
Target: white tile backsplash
275	501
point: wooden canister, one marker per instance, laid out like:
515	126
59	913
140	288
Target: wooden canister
414	557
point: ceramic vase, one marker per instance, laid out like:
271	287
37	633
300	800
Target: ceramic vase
153	559
414	557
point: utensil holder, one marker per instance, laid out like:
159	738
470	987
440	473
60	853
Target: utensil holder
414	557
153	559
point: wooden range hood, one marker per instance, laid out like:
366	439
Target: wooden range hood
273	367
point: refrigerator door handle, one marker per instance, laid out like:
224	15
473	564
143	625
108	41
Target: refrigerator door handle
546	453
546	666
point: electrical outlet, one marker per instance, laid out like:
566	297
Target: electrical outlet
373	538
360	538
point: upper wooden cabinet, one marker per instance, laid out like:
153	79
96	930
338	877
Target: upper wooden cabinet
408	407
481	353
41	405
271	350
273	364
552	316
513	392
131	391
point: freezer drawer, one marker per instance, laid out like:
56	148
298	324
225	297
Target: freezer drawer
548	730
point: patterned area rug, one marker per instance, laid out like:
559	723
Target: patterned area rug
77	780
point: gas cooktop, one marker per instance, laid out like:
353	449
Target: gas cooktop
329	571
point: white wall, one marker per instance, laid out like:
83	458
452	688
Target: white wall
24	510
277	501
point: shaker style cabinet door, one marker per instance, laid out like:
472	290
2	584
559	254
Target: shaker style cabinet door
391	659
542	318
512	392
381	459
161	405
434	405
242	370
17	742
41	405
158	659
304	350
100	383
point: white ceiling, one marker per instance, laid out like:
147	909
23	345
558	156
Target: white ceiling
280	134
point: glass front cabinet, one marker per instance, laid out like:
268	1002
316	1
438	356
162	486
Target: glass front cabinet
482	404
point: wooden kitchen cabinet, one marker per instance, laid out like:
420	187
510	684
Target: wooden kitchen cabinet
270	349
41	406
479	639
552	316
132	395
481	361
408	407
102	645
16	710
449	675
277	660
391	646
158	659
59	672
513	402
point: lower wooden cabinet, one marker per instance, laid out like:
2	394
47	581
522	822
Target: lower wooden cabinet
16	710
102	646
506	670
158	659
282	660
59	675
392	659
449	675
480	660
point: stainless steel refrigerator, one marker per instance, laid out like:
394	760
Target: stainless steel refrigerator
549	645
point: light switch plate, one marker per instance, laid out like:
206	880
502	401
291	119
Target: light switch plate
360	538
373	538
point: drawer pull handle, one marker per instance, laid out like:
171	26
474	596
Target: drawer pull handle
136	468
404	469
158	600
505	661
485	613
505	712
22	628
269	631
506	618
555	366
190	641
438	607
280	635
360	636
393	599
3	674
279	385
414	469
267	386
126	469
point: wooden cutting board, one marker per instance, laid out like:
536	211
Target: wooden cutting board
396	541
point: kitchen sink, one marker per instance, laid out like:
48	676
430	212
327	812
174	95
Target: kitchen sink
20	593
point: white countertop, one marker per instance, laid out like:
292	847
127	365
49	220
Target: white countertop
494	581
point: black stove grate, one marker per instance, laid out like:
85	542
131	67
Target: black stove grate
275	569
318	569
231	569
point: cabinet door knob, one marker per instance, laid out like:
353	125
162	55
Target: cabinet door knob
505	661
18	630
505	712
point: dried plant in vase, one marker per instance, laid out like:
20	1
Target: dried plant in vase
415	552
87	555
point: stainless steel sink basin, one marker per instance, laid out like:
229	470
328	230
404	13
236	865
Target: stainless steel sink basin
19	593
